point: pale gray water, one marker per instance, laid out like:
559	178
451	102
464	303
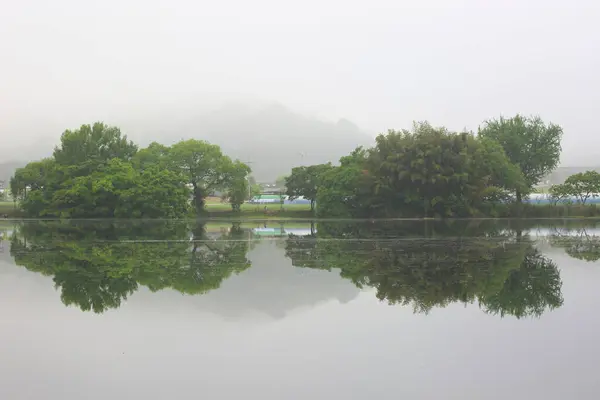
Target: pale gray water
275	331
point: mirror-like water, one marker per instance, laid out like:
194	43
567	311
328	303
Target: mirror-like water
293	310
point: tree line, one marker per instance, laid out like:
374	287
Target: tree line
427	171
96	172
433	172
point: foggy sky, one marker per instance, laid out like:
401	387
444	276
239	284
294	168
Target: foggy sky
379	63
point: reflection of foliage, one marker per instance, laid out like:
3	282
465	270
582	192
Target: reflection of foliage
202	266
445	264
581	245
98	266
528	290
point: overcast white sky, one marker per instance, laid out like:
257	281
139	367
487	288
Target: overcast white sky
379	63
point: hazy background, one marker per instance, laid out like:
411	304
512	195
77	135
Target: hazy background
285	83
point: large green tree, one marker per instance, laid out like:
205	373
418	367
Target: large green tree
34	185
116	190
305	182
96	172
583	185
529	143
431	171
155	154
239	188
205	168
346	190
91	146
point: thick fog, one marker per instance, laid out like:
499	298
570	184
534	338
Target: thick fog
164	70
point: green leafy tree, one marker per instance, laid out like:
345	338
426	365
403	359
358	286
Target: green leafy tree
431	171
583	185
155	155
239	189
92	175
560	193
529	143
346	190
156	193
205	167
34	184
117	190
86	149
305	182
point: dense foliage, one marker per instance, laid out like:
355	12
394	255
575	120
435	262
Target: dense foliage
432	172
529	143
305	181
426	171
97	173
581	186
423	172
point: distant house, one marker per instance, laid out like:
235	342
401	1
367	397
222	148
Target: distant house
276	199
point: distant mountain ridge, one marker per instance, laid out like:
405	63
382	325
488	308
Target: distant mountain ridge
560	174
272	138
7	170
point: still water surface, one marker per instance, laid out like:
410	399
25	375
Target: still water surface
157	310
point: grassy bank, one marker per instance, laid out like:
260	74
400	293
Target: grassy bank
302	211
219	210
8	209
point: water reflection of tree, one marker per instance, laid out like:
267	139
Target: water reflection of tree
577	243
441	264
527	290
98	266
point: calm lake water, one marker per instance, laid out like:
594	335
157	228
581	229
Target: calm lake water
332	310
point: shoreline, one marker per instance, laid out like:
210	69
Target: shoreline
302	212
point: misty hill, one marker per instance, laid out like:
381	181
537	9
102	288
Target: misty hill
272	138
560	174
7	169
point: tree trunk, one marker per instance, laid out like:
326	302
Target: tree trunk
198	199
519	204
312	205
